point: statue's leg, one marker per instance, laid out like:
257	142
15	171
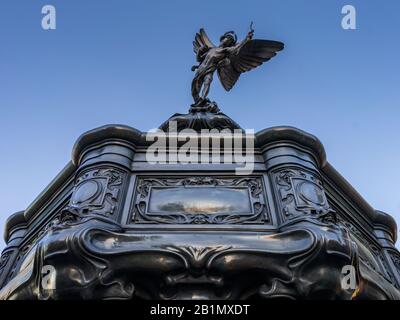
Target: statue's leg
196	87
206	85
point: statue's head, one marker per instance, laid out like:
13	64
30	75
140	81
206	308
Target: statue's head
228	39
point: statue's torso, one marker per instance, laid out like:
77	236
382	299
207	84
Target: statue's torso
213	56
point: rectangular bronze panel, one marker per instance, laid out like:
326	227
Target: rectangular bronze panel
200	200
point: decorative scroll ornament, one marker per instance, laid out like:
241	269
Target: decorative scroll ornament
301	193
97	191
3	260
395	256
396	260
368	252
90	260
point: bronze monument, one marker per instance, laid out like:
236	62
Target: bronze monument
229	59
113	226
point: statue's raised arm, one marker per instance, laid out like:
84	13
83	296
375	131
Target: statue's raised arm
235	49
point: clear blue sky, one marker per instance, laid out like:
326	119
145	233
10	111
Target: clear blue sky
129	62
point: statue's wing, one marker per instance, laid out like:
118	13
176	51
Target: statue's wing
228	76
202	42
251	55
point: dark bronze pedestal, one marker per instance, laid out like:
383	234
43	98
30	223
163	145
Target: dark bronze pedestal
101	230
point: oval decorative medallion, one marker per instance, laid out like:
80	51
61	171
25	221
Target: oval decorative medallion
85	191
312	192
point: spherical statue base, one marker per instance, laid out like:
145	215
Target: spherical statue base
202	115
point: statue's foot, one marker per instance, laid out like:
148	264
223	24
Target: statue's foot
200	102
204	105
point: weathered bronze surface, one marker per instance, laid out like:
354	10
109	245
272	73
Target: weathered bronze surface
113	226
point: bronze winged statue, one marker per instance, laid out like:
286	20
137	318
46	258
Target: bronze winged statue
229	58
